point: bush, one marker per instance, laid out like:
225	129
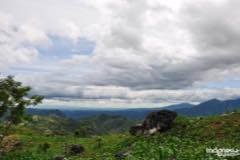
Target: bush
44	147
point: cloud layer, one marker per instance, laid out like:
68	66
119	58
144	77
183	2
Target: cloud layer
144	51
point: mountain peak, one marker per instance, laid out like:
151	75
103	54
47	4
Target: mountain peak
212	101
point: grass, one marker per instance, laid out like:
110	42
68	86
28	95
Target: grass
187	140
103	147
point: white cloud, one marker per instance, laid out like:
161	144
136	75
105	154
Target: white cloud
11	50
146	51
76	60
53	86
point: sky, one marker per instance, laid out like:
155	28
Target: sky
125	53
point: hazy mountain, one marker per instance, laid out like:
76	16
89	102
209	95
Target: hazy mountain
179	106
45	112
211	107
134	114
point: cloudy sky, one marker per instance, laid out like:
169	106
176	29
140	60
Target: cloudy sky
123	53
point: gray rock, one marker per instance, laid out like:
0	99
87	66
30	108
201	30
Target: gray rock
122	154
159	121
59	158
76	149
136	130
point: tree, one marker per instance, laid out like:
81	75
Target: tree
14	98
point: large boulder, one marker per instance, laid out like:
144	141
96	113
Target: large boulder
159	121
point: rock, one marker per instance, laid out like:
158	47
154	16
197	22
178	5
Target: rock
10	143
154	122
59	158
152	131
136	130
161	120
122	154
76	149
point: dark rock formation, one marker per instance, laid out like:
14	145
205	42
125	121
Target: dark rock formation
159	121
76	149
136	130
59	158
122	154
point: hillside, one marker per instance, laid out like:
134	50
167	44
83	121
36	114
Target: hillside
188	139
106	124
86	127
47	125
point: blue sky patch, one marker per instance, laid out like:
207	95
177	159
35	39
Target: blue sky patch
62	48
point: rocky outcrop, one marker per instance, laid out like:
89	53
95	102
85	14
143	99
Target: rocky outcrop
137	129
75	149
159	121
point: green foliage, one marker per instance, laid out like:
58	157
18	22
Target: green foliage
44	147
105	124
54	125
14	98
83	131
187	140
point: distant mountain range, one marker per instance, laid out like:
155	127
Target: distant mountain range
179	106
134	114
45	112
211	107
